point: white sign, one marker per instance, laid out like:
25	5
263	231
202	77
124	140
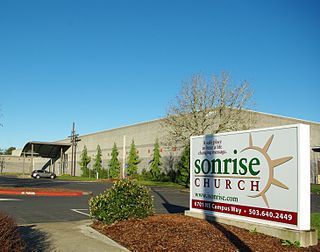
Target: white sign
259	175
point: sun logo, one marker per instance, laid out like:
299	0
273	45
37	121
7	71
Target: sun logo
272	164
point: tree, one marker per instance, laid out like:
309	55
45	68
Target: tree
9	151
114	164
156	161
207	106
84	161
97	166
133	160
183	167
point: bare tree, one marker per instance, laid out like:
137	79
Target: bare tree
208	106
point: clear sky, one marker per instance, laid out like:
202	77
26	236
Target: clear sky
105	64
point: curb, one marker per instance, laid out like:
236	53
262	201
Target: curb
90	232
43	193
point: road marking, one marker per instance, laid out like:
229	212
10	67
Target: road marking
28	193
79	211
2	199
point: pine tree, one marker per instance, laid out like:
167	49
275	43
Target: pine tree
156	162
184	167
84	161
97	166
114	164
133	160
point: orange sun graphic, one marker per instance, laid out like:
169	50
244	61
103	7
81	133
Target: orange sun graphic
272	164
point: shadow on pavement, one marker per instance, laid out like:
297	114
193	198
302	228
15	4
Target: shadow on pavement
36	240
171	208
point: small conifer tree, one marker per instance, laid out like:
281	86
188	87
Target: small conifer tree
84	161
183	167
97	166
156	162
133	160
114	164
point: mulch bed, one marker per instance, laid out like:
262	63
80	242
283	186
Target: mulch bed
174	232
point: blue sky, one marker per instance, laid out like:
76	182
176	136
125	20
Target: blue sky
106	64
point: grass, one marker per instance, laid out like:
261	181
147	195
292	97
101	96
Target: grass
67	177
315	188
158	183
315	222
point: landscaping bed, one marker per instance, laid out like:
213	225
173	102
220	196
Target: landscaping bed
176	232
10	238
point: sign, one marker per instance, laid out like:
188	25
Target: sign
260	176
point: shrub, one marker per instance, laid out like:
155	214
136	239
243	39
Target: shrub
10	239
145	175
183	167
125	200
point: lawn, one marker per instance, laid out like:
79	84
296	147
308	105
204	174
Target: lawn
141	182
315	188
158	183
315	222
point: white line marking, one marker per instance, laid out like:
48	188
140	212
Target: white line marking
28	193
79	211
10	199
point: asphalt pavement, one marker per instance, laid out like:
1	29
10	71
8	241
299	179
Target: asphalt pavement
51	223
34	209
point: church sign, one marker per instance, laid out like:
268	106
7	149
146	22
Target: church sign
260	176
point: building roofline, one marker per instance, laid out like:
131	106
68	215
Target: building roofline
121	127
284	117
160	119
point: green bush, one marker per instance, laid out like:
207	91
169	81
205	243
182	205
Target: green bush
145	175
125	200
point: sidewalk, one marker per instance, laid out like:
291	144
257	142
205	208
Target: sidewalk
67	236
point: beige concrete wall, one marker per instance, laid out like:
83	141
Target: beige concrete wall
144	135
14	164
24	165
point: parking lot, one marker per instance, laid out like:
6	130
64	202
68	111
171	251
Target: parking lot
34	209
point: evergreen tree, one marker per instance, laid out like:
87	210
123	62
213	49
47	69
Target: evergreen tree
97	166
156	162
133	160
84	161
184	167
114	164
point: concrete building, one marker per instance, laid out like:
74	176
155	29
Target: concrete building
144	135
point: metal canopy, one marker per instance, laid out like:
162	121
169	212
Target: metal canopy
44	149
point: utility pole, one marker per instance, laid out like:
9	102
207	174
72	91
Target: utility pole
74	140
